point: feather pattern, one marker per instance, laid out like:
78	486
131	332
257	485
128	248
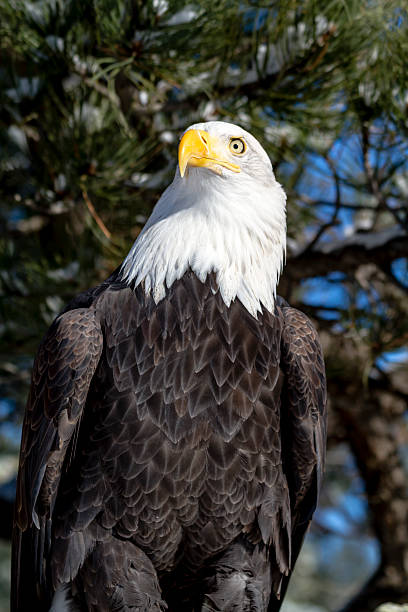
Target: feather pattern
179	446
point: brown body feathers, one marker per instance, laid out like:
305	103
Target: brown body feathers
170	453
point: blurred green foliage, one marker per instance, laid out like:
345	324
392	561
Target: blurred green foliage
94	96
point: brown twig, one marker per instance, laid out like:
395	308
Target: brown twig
372	178
95	215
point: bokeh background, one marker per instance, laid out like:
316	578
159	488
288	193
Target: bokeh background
93	98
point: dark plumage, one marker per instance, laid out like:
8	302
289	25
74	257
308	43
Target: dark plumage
187	430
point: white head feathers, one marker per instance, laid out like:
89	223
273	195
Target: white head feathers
229	222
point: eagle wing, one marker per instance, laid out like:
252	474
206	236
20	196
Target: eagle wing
303	429
63	369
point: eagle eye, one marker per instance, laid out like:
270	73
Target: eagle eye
237	146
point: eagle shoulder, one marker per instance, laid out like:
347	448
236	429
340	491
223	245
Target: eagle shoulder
303	429
62	372
305	405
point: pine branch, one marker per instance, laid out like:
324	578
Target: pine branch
347	254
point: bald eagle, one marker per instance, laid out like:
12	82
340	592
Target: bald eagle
174	437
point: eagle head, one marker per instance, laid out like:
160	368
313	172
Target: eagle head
224	149
224	213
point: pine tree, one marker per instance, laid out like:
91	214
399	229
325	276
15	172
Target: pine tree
94	96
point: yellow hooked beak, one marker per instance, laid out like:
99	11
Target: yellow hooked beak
200	149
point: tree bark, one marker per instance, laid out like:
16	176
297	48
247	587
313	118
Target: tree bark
372	423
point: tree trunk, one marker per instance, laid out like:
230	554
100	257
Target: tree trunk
373	424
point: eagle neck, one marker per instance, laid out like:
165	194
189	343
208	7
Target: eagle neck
230	228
